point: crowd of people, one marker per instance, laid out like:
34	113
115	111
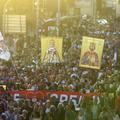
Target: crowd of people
25	72
52	109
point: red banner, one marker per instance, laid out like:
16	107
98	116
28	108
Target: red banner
62	96
40	94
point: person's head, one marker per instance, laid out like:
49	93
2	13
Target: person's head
52	108
24	112
47	104
68	107
92	46
105	108
52	43
60	106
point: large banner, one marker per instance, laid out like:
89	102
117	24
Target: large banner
91	52
14	23
51	50
62	96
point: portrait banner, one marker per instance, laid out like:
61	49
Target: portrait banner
51	49
91	52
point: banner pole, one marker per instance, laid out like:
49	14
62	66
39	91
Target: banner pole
58	17
37	2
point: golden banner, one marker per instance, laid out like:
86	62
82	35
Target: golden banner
51	49
91	52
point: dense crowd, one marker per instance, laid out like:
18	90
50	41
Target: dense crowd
51	109
25	72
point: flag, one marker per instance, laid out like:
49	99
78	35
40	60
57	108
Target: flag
91	52
4	52
51	49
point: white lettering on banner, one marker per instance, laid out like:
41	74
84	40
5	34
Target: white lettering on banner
74	99
80	99
63	98
16	97
54	95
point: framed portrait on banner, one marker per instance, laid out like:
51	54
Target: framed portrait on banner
91	52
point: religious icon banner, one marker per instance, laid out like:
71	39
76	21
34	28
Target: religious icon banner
91	52
51	49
